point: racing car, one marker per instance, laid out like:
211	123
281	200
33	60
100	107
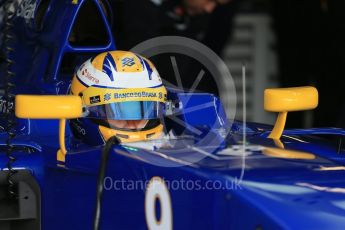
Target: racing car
205	172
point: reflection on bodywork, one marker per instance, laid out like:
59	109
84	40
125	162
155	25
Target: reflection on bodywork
322	188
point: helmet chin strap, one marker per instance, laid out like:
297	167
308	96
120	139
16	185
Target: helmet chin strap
132	136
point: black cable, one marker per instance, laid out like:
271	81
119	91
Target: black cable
101	174
10	7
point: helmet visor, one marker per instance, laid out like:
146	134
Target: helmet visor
129	110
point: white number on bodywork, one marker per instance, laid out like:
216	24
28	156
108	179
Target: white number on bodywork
157	191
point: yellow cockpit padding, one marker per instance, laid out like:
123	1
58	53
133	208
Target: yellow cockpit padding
128	136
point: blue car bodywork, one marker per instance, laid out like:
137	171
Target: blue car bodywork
230	182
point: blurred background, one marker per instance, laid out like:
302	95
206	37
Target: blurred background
282	44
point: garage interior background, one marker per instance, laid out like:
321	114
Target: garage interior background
282	43
291	43
286	44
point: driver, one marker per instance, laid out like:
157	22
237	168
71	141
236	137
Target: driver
123	96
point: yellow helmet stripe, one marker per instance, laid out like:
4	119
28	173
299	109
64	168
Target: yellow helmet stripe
77	86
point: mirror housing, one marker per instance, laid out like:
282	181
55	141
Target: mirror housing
284	100
50	107
291	99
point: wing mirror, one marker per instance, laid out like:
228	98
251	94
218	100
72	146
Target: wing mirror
50	107
284	100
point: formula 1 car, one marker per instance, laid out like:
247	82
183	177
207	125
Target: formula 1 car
207	172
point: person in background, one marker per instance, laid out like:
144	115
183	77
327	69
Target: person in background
207	21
